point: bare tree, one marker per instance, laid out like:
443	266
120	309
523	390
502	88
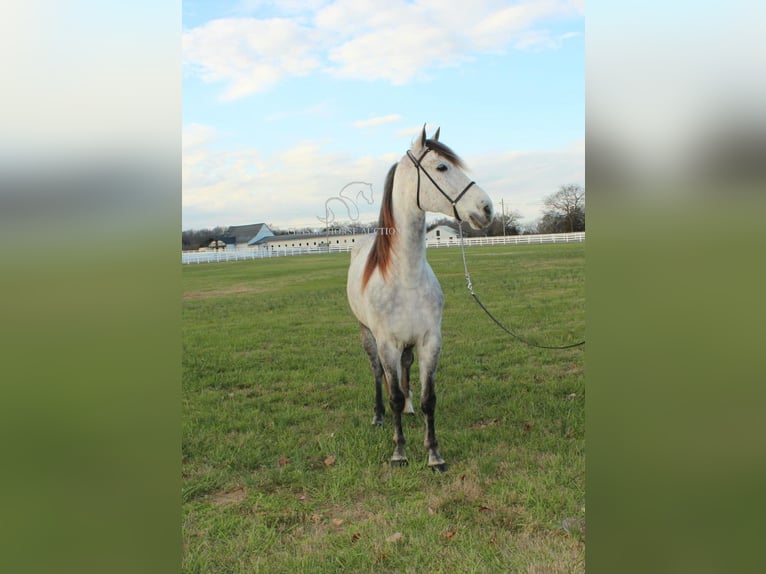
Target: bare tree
511	220
567	205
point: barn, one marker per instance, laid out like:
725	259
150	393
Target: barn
442	235
248	235
341	240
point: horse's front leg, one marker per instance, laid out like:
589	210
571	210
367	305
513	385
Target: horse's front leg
390	358
428	355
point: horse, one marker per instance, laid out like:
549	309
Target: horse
394	293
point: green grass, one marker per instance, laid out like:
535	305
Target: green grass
283	472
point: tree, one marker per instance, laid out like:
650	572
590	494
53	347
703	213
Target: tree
510	220
566	210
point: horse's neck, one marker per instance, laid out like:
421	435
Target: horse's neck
410	251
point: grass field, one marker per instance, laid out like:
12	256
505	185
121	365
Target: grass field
283	472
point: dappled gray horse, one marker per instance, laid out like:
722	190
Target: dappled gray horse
392	290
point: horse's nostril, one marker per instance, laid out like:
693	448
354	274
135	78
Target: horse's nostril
487	210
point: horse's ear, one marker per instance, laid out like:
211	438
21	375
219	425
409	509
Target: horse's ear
423	137
436	135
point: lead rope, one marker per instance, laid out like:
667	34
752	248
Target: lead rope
491	316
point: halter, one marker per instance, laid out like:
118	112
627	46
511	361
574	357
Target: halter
453	202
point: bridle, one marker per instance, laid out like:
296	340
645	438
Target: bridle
453	202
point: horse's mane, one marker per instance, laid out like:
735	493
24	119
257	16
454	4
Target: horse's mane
380	254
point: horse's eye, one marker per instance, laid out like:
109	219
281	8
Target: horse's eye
441	167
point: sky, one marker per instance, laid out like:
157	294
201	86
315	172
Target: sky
284	103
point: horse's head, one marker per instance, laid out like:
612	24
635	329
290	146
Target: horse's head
443	186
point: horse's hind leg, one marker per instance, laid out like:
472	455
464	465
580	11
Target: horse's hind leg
369	344
407	358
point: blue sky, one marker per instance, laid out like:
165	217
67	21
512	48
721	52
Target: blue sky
286	102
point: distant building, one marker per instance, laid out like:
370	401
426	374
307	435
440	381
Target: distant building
442	234
312	241
247	235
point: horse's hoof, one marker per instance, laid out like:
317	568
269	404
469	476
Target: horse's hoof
377	421
440	467
399	463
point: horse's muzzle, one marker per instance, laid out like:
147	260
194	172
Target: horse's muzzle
481	220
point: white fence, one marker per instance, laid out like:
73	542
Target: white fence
257	253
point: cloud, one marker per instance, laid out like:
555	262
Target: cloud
523	178
250	54
290	187
377	121
362	39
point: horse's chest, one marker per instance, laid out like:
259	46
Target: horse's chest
409	312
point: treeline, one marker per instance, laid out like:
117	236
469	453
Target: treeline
193	239
564	213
